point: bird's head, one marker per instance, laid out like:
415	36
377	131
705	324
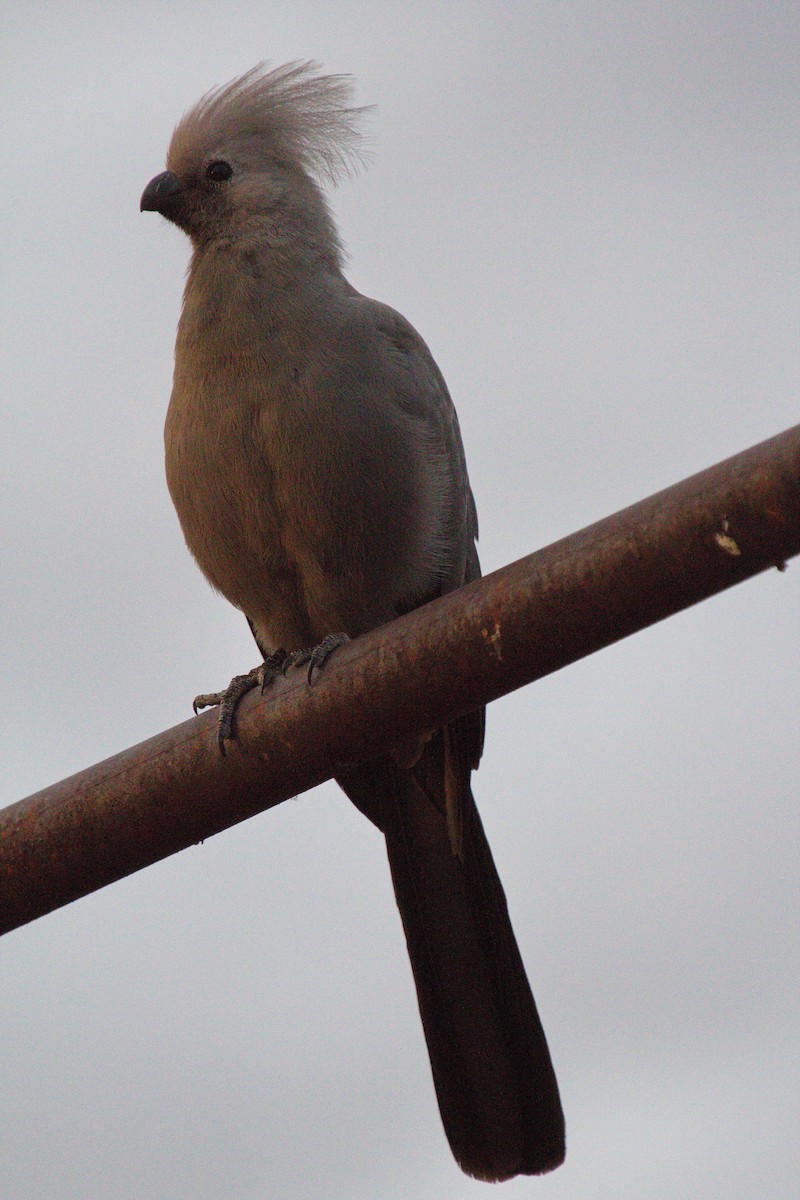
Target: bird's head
244	164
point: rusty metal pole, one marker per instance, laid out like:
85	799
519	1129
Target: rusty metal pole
620	575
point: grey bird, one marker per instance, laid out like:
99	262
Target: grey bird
314	458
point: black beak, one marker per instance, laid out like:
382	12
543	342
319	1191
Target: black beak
162	194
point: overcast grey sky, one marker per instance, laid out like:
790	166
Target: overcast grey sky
590	211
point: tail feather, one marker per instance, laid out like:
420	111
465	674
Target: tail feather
492	1072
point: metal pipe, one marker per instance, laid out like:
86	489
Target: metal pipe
531	618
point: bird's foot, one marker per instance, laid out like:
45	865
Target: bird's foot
229	699
315	656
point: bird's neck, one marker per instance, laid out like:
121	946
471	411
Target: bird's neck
249	300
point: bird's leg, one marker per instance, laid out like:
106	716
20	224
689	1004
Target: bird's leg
229	699
315	656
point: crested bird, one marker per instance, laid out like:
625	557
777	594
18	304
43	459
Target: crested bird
314	458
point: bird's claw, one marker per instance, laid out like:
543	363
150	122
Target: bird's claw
260	677
271	668
315	656
228	700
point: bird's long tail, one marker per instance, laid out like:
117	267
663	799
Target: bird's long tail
492	1071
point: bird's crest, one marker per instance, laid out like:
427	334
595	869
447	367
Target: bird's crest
297	116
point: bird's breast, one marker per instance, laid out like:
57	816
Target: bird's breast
303	493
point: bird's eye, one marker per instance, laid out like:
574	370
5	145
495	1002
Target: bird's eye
219	170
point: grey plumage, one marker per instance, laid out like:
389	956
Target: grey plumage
315	461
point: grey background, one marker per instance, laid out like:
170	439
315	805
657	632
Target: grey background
590	211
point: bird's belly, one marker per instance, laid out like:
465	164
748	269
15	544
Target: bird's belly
224	494
296	518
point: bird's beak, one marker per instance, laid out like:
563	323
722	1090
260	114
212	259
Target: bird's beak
162	194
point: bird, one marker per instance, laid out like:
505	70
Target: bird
314	458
